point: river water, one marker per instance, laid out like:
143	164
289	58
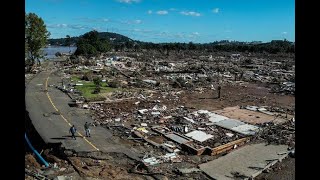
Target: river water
50	52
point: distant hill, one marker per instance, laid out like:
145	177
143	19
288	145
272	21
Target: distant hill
121	42
114	38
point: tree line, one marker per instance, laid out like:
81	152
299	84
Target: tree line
125	43
92	43
275	46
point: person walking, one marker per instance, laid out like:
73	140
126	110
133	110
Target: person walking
219	89
73	130
86	128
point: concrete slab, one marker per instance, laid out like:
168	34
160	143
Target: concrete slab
252	108
216	118
246	129
249	160
249	116
199	135
177	138
202	111
229	123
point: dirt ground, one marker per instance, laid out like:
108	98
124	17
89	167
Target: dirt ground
238	95
281	171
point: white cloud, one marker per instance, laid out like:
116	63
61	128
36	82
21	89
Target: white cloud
163	33
77	27
284	33
94	20
163	12
138	21
190	13
194	35
215	10
68	26
57	26
179	35
142	30
128	1
149	12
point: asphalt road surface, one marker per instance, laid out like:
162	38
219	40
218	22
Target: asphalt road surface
52	117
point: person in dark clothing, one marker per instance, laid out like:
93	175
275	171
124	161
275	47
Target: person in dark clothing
73	130
86	128
219	89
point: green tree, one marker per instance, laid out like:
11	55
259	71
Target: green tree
86	49
90	44
97	83
36	36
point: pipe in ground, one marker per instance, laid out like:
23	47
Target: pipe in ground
36	152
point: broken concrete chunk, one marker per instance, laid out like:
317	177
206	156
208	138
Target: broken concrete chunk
229	134
188	171
142	129
188	119
155	113
85	106
252	108
136	103
142	111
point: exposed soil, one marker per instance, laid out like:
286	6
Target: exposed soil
281	171
238	95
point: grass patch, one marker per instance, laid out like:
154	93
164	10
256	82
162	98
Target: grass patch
88	87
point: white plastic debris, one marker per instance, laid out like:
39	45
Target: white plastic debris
229	134
186	129
155	113
85	106
167	117
188	119
136	103
142	111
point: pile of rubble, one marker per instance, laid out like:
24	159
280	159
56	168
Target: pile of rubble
286	88
277	133
123	94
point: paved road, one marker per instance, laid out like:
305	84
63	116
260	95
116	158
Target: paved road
52	117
